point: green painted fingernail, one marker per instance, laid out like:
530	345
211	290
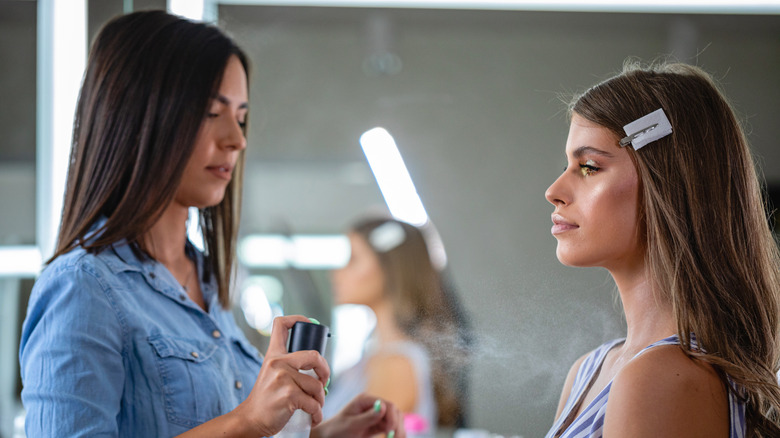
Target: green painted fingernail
326	390
314	321
326	386
377	405
391	434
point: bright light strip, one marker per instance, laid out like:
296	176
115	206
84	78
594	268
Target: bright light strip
192	9
264	251
194	233
393	178
656	6
62	54
300	251
20	261
320	251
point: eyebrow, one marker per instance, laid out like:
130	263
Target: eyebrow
222	99
582	150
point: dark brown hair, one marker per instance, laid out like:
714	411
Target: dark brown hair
428	312
709	247
147	88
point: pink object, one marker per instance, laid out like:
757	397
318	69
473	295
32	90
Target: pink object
415	423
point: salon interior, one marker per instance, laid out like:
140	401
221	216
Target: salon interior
468	96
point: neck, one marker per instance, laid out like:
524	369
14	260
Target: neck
387	329
166	240
649	315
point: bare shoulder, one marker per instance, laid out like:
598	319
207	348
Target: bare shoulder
391	364
664	392
392	376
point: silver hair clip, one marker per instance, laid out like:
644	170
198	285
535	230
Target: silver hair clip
646	129
387	236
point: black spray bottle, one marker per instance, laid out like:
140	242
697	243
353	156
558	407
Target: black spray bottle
304	336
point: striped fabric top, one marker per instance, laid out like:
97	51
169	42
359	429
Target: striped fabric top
590	422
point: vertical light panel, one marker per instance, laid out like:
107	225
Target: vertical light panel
198	10
393	178
62	54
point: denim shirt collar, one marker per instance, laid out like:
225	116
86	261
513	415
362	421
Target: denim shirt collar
156	274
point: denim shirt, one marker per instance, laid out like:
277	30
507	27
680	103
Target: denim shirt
112	346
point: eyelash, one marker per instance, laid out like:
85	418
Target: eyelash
586	169
589	168
214	115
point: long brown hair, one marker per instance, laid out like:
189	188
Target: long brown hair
710	250
427	311
147	88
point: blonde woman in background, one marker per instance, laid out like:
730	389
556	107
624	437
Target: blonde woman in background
416	357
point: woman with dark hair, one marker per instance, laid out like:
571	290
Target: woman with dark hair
418	354
129	330
661	190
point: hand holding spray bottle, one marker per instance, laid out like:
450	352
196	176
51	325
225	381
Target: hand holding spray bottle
304	336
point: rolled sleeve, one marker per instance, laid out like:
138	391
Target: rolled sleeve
72	331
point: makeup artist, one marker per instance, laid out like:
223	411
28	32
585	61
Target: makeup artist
129	331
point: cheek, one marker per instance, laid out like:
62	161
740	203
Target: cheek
617	217
609	224
356	284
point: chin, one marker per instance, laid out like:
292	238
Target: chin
211	202
568	259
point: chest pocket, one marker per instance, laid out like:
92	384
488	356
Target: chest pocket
248	361
192	378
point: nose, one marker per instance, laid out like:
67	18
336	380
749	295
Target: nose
232	135
557	194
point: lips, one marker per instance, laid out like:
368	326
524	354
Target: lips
561	225
221	171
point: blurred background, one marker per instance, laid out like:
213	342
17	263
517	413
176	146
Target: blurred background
470	94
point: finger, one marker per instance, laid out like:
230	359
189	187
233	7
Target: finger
311	386
307	404
278	342
393	416
394	421
367	413
362	403
317	417
390	419
310	360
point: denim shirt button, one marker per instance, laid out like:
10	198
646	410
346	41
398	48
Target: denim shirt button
216	334
238	384
195	354
152	275
182	297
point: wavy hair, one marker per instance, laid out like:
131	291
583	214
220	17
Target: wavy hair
150	77
710	250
